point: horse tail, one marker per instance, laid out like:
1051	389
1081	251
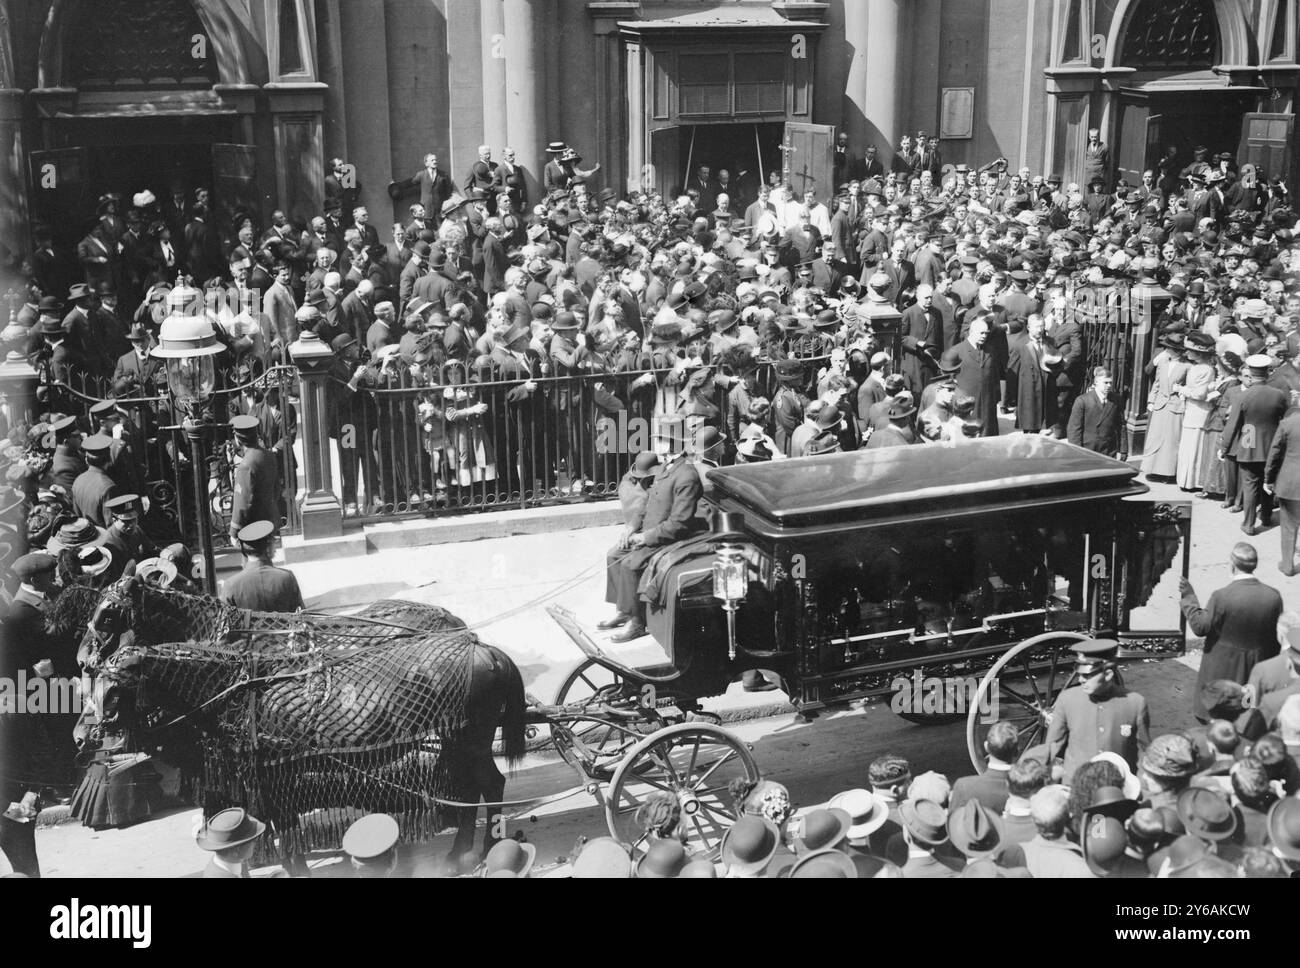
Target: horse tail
514	739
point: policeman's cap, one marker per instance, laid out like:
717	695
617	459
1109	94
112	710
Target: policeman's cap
245	426
370	837
125	504
96	444
1092	655
255	533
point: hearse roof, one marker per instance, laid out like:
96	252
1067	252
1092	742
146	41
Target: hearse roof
798	498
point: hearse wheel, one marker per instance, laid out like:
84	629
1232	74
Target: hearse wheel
695	762
591	684
1021	688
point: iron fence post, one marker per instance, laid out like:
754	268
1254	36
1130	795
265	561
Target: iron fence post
196	432
320	510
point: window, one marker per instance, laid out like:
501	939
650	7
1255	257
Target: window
1279	46
1179	34
704	83
1073	47
760	83
290	40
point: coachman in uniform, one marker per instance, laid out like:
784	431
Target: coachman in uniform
1099	714
94	488
261	586
68	463
257	478
669	516
125	536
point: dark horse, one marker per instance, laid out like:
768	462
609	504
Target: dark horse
392	709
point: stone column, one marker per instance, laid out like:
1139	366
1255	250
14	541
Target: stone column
322	514
492	19
13	179
526	85
884	80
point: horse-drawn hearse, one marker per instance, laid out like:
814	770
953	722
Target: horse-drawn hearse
840	576
847	575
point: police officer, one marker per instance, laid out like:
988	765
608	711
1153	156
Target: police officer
125	536
94	488
68	463
1098	714
257	487
261	586
371	843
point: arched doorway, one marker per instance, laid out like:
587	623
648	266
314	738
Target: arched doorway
136	95
1175	92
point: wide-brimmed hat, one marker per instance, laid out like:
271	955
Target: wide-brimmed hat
1172	341
825	442
94	560
822	829
1199	343
1206	814
902	406
229	828
750	844
974	830
824	864
156	572
452	204
754	450
925	820
81	533
509	857
556	148
867	811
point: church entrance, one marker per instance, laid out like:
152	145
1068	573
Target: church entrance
1153	122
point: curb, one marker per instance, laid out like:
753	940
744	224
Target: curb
360	540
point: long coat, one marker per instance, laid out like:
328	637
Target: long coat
1239	624
1248	433
979	377
921	325
1282	469
1035	404
257	490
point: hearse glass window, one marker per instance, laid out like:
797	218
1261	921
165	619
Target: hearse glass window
942	580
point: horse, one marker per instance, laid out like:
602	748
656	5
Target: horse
394	708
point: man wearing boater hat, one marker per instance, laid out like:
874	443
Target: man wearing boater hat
231	836
669	517
261	586
1099	713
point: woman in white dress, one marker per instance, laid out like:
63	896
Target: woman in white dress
1160	458
1195	390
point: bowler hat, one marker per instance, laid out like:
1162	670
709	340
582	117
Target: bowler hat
1284	827
229	828
824	864
509	856
51	326
750	844
644	465
564	322
706	438
49	305
823	829
902	406
1111	802
665	858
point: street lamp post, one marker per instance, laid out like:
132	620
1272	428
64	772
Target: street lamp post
187	344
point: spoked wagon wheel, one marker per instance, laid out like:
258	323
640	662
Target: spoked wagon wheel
1021	688
590	684
694	762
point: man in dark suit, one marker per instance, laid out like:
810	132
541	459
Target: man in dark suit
922	329
511	179
980	374
261	586
1282	481
990	788
1094	419
355	313
257	478
481	179
1068	376
670	515
97	253
202	249
703	183
1028	380
136	373
1239	624
433	185
1250	427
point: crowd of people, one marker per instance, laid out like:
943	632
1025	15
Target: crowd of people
491	340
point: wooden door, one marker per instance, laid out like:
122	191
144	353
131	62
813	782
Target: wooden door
234	176
60	191
665	160
1266	144
809	151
